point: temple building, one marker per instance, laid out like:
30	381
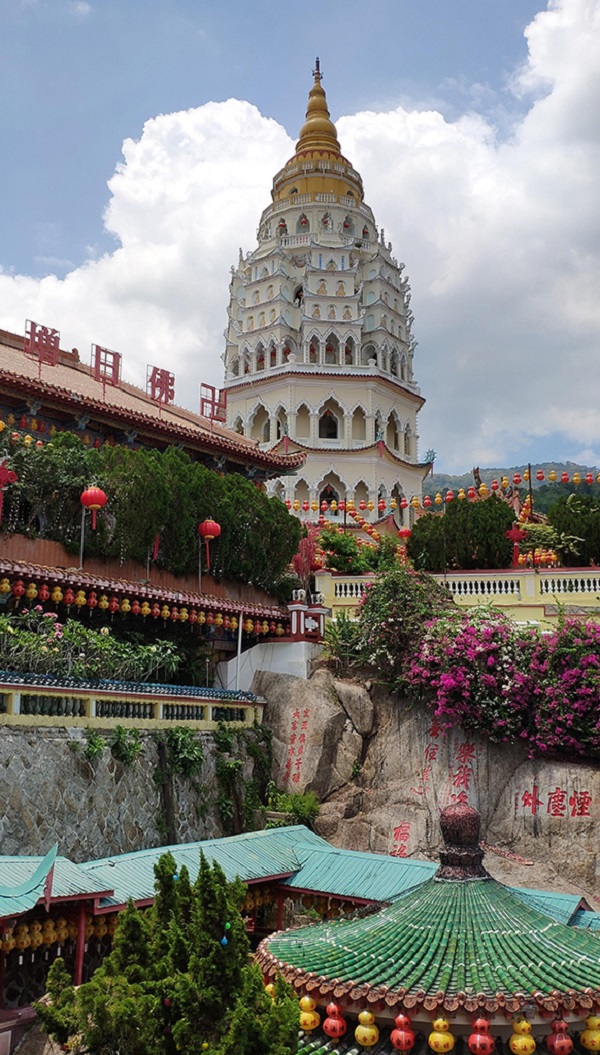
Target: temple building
319	345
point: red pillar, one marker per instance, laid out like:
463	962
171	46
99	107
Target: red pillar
80	947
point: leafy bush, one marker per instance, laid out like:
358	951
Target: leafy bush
341	640
469	535
577	519
150	494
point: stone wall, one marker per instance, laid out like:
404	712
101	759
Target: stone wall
52	793
383	770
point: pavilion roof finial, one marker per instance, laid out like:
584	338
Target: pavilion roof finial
317	70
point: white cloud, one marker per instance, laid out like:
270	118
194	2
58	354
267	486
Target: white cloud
501	238
81	8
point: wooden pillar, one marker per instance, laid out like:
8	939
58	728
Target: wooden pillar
80	947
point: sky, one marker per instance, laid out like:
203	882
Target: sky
139	140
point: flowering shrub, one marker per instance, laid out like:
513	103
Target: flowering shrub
480	670
35	642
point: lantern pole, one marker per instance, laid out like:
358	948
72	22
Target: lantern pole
199	564
82	537
239	650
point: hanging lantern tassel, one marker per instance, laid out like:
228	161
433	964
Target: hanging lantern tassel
93	498
209	530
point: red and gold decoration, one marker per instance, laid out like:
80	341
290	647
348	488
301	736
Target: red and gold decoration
209	530
93	498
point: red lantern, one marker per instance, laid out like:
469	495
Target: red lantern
7	476
209	530
193	616
589	478
334	1025
564	478
362	505
18	588
449	496
155	610
494	485
210	619
257	627
517	479
402	1037
404	503
174	614
92	599
404	534
70	597
113	604
324	507
539	475
288	503
427	501
135	607
471	493
381	505
44	593
93	498
305	506
480	1042
321	521
559	1041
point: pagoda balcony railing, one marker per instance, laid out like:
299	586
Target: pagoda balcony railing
42	700
288	240
322	199
537	594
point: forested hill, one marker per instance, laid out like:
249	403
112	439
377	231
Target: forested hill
547	492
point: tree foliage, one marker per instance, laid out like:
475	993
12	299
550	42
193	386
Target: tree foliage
469	535
578	517
150	493
177	981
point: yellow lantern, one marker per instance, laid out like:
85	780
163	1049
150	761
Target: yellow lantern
80	598
366	1033
350	507
165	611
576	478
461	494
4	586
89	927
8	941
249	626
438	499
590	1038
415	502
552	476
314	505
144	608
270	991
520	1041
265	626
295	505
100	927
31	591
72	929
440	1038
309	1019
233	623
62	930
393	504
504	483
48	932
22	937
483	490
201	617
103	602
370	505
112	923
126	607
35	934
218	619
333	506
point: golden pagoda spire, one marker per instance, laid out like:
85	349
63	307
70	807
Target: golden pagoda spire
318	131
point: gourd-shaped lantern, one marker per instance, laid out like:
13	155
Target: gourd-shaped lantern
539	475
366	1033
480	1042
576	479
270	990
494	485
335	1024
521	1042
461	494
415	502
427	501
483	490
440	1038
590	1038
589	478
564	478
402	1037
438	499
449	496
93	498
209	530
309	1019
471	493
558	1041
517	479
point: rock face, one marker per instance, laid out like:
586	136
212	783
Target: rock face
383	770
52	793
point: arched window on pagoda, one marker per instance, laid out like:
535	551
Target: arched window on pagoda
393	432
403	368
260	427
281	426
260	357
302	224
235	367
332	350
349	350
407	442
368	352
238	426
394	364
286	352
303	422
359	425
330	421
272	356
329	494
313	351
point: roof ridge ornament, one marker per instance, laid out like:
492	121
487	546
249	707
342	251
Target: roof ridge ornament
461	859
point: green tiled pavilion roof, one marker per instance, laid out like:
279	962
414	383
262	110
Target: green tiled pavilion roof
459	940
319	1044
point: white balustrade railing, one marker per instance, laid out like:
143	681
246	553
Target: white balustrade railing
570	582
481	587
294	239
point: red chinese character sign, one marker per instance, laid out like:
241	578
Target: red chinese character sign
42	343
160	385
213	403
106	366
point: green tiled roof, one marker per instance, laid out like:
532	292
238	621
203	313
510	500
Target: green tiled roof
319	1044
348	873
588	920
22	882
561	907
253	856
447	943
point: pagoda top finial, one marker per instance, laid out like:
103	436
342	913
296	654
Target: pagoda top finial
318	131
